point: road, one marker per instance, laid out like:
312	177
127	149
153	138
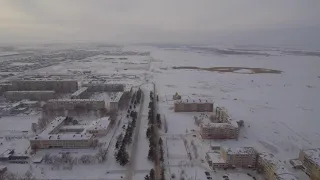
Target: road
157	161
132	161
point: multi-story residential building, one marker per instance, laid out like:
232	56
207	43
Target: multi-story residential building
221	115
102	87
31	95
273	169
310	159
45	84
221	127
51	137
245	157
219	130
188	105
240	157
73	104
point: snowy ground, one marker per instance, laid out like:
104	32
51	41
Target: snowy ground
280	111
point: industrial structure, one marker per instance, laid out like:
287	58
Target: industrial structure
188	105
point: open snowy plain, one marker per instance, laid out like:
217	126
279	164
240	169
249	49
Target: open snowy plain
279	103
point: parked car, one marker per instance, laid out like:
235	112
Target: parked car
225	176
207	173
208	177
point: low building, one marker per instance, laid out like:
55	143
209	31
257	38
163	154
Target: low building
99	127
30	95
310	159
273	169
245	157
188	105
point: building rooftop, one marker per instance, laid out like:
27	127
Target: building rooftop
74	100
53	125
240	150
193	101
313	154
79	91
44	79
220	125
82	136
102	123
29	91
216	157
278	166
117	97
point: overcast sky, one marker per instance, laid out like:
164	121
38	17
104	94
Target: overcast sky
164	21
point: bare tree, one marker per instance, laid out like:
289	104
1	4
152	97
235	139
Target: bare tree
27	176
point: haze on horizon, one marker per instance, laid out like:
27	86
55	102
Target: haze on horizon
293	22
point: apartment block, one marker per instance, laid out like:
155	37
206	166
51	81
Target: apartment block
223	126
73	104
245	157
187	105
103	87
51	137
30	95
44	84
310	159
273	169
219	131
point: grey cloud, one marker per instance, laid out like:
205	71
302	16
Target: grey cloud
155	21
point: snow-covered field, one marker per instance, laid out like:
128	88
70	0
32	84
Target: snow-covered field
280	110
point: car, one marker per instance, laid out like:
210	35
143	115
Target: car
254	178
207	173
208	177
225	176
249	174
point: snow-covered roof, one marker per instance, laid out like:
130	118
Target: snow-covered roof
313	154
117	97
278	167
74	100
99	124
193	101
29	92
216	157
52	125
44	79
82	136
79	91
240	150
127	88
220	125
